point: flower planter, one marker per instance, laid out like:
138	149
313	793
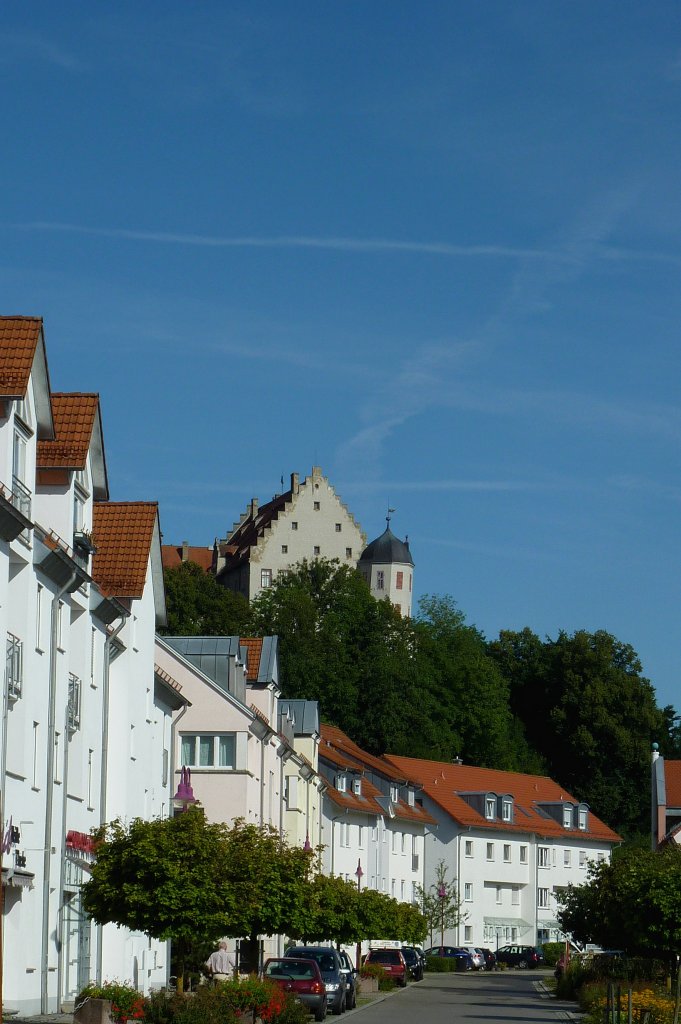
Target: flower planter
368	985
93	1011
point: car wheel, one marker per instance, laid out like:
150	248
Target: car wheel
320	1013
340	1008
522	964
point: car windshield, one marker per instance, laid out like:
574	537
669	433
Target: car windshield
296	969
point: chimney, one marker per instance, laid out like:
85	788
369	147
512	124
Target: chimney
457	760
185	551
656	752
254	507
295	483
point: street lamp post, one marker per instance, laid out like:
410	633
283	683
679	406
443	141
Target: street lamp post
358	874
442	896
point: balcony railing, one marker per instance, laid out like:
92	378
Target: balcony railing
21	497
14	667
73	707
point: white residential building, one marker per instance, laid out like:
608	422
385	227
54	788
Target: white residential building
511	842
73	680
374	828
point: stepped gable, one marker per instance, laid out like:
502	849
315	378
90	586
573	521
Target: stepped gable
251	529
174	556
19	337
123	532
74	420
443	781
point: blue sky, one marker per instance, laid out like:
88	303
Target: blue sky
433	248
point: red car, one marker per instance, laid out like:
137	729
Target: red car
392	962
302	978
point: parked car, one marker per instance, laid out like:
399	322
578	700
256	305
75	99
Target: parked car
490	959
520	956
302	978
350	973
477	956
392	961
453	951
329	963
413	961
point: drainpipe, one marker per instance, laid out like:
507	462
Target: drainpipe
49	793
105	760
62	868
262	781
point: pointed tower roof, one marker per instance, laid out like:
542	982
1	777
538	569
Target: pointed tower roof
387	548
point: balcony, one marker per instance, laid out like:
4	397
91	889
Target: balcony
13	522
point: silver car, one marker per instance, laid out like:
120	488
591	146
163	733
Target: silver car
477	956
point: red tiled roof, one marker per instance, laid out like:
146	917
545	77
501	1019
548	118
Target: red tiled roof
672	782
443	781
341	751
74	419
19	336
335	737
173	556
123	532
253	647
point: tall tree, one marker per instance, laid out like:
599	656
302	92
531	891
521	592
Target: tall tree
440	904
590	713
198	606
633	903
468	694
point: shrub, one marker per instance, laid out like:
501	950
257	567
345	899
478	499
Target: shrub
441	964
552	951
386	983
371	971
126	1002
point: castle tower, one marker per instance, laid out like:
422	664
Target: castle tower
388	568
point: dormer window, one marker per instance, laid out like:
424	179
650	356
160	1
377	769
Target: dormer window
507	808
411	797
357	786
583	817
341	783
567	816
394	794
490	808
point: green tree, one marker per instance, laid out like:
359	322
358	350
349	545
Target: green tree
193	882
341	647
163	878
440	904
591	715
198	606
633	902
467	695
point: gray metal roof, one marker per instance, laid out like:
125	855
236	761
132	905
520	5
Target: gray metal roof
387	548
210	654
305	714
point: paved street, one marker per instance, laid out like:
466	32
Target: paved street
509	996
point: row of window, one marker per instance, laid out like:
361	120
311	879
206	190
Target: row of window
546	855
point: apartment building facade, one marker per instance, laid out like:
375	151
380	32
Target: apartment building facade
511	841
79	666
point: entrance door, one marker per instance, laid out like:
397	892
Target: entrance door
76	934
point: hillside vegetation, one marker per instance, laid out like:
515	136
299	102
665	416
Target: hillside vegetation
576	707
